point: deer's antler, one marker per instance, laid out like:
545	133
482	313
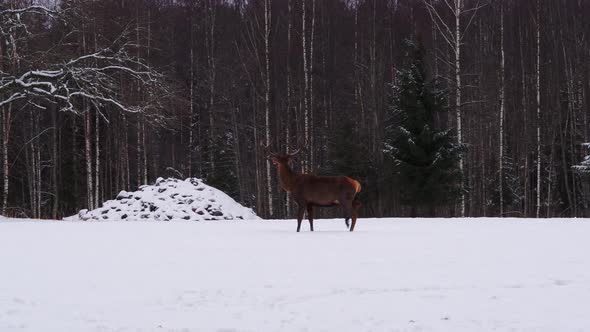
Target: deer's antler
266	150
299	149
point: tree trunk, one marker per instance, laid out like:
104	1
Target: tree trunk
97	159
5	138
288	116
191	142
88	154
55	165
458	7
501	127
138	147
144	150
310	95
538	86
212	74
525	123
267	23
305	160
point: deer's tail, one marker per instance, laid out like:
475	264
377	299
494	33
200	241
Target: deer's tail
357	186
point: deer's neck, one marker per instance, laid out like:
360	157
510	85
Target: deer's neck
287	177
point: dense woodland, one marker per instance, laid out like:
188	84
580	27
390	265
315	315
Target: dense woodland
102	96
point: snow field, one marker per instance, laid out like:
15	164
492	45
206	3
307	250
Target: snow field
388	275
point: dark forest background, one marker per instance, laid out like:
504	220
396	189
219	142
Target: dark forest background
102	96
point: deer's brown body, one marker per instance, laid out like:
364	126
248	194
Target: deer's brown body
310	190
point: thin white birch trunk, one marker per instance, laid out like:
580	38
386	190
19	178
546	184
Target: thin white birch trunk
138	119
538	86
192	110
311	107
212	73
144	140
458	8
88	142
306	84
144	150
55	165
96	140
288	120
38	170
127	171
97	160
5	137
138	148
525	122
550	180
6	117
88	155
33	168
267	23
501	133
237	159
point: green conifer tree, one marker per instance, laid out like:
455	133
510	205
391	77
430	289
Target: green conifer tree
425	159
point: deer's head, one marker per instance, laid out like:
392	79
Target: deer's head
284	159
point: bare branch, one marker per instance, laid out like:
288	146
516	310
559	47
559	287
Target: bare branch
35	9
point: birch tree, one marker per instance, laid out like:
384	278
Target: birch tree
453	36
267	26
538	90
502	101
305	81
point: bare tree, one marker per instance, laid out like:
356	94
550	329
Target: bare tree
454	39
82	83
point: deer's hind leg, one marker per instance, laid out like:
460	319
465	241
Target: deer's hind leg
354	216
300	213
356	205
310	216
346	204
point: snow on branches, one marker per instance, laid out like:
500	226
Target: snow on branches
584	166
94	77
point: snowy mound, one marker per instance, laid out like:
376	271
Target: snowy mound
170	199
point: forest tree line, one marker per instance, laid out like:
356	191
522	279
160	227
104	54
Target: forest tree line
102	96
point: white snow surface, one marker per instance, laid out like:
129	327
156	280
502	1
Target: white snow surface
388	275
169	199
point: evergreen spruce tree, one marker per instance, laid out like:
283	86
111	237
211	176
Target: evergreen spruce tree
425	159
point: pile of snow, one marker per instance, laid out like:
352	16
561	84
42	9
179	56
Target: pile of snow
170	199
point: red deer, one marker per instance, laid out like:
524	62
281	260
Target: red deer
310	190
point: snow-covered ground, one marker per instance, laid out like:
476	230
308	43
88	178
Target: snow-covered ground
388	275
